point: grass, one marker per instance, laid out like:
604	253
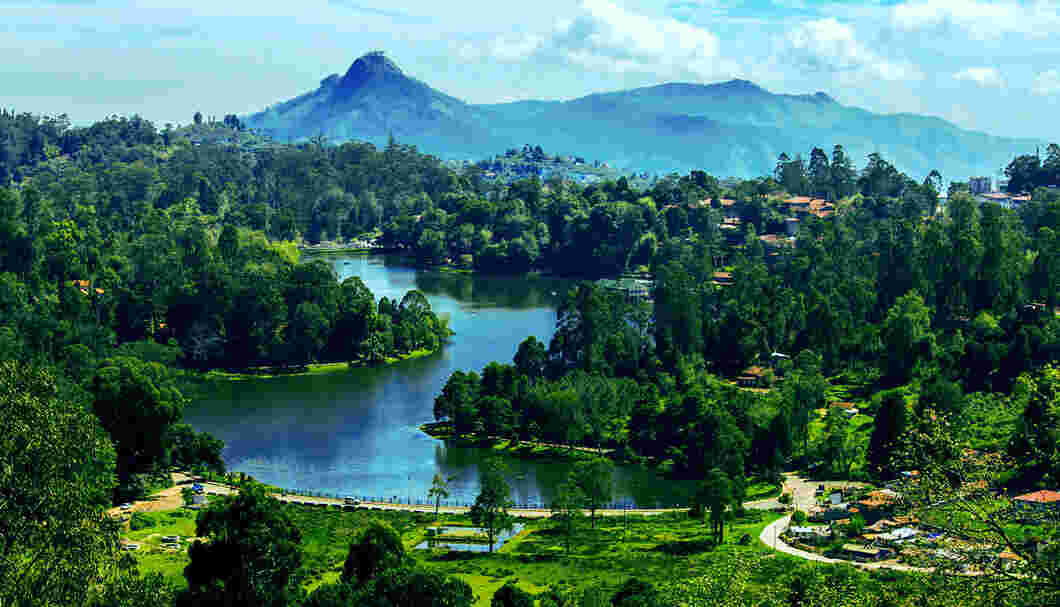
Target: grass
310	369
660	547
326	537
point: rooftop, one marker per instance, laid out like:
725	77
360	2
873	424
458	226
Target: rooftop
1040	497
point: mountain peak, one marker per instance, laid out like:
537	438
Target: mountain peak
738	84
372	63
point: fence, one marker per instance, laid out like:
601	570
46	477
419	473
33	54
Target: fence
425	501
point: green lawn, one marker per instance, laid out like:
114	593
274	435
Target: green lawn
660	547
326	536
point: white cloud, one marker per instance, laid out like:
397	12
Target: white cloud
826	45
980	20
605	37
983	76
1047	83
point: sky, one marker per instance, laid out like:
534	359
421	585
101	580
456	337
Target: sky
986	66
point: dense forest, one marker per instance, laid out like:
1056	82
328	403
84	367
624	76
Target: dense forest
134	259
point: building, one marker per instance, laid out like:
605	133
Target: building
752	377
634	289
722	279
979	185
865	553
810	535
1038	501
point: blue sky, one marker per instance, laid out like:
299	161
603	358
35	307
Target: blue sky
989	66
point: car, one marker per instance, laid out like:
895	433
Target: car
349	501
126	506
131	547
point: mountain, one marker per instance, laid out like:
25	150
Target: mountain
730	128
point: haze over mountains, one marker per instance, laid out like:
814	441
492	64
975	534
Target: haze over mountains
731	128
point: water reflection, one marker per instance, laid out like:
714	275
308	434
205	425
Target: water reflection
357	432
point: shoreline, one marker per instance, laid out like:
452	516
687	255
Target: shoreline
522	449
311	368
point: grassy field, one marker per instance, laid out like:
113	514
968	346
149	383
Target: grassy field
326	535
655	548
658	547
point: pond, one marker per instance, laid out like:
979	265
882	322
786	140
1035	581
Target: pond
357	432
449	538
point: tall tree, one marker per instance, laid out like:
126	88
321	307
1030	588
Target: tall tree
376	549
892	419
252	556
594	478
566	509
715	495
490	509
439	491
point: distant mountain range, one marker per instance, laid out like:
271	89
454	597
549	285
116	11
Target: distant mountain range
733	128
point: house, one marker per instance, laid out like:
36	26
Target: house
877	504
848	408
752	377
1007	560
898	536
829	514
1038	501
772	242
722	279
791	226
810	535
865	553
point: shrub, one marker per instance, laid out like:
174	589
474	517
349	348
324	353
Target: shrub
745	539
799	517
784	498
140	521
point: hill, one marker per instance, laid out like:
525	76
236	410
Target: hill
729	128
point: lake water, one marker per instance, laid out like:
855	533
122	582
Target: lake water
357	432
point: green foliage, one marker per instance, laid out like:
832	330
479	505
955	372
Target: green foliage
57	472
377	549
510	595
138	522
252	555
490	509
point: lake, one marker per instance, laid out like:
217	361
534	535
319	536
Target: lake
357	432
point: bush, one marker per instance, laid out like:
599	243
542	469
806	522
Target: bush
745	539
785	498
799	517
140	521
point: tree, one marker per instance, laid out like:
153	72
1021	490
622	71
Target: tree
892	418
510	595
1024	174
439	491
566	509
907	336
137	402
530	359
377	548
228	243
56	474
715	495
490	509
594	479
252	556
197	118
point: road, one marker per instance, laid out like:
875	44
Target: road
171	499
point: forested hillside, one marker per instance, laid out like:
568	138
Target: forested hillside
133	260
